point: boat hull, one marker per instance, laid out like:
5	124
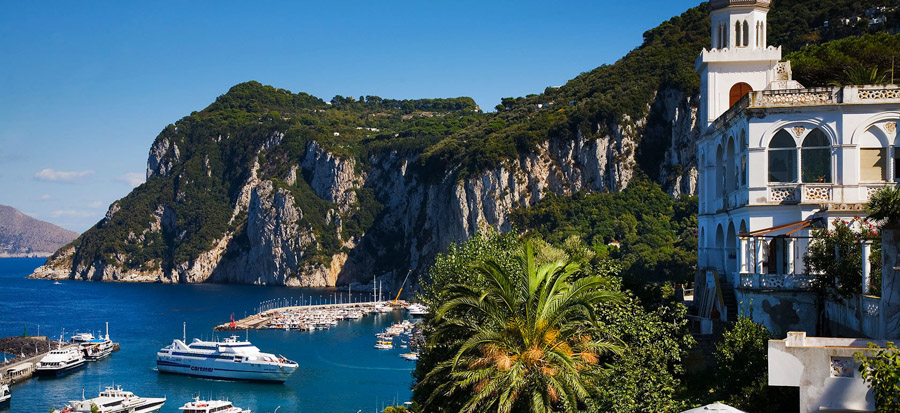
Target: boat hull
43	372
220	370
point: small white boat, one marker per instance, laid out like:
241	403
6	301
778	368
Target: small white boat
384	345
5	396
210	406
417	309
410	356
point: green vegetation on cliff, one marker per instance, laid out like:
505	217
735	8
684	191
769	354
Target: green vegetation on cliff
653	235
206	157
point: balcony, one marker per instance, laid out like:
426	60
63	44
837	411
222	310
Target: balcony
801	282
800	193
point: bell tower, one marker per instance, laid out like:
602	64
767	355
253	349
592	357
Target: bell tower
739	59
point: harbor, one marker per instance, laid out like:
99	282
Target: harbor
145	318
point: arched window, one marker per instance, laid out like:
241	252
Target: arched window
746	34
737	92
782	158
815	157
737	34
872	156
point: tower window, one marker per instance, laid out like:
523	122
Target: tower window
737	34
746	34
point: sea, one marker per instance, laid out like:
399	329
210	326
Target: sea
340	370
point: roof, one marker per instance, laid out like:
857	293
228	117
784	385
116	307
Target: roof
721	4
715	407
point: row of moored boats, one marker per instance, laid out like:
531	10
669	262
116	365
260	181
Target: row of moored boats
231	359
117	400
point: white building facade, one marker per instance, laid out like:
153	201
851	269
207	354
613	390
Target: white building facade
773	157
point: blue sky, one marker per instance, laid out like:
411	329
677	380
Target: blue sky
85	87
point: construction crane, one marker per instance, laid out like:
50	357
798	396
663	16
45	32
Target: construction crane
397	298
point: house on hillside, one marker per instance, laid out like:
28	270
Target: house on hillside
777	160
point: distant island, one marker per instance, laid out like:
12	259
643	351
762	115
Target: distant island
24	236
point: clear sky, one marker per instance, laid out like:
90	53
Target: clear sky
86	86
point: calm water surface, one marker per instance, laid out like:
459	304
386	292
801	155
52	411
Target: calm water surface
339	370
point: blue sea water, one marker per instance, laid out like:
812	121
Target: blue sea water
339	370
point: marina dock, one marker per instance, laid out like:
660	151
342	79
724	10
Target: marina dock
309	317
28	351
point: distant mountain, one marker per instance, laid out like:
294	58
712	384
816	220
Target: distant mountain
24	236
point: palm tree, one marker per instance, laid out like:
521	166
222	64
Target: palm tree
526	342
885	206
863	75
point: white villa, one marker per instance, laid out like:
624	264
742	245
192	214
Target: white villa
776	158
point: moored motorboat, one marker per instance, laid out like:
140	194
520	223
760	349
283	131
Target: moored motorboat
59	362
114	400
5	396
417	309
228	360
94	349
211	406
410	356
384	345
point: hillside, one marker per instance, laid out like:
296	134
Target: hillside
24	236
265	186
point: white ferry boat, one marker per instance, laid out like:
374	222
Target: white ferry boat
59	362
5	395
115	400
228	360
211	406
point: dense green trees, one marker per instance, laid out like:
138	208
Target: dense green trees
853	60
656	234
643	376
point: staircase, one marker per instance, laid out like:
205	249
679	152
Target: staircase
729	298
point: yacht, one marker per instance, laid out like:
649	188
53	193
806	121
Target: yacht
417	309
115	400
94	349
5	395
59	362
211	406
229	360
410	356
384	345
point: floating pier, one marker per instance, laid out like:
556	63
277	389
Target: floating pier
310	317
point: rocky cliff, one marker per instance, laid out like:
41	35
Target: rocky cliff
270	239
269	187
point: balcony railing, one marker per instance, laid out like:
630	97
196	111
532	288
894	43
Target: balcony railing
802	193
816	193
777	281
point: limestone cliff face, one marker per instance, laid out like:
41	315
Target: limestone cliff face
677	116
270	236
